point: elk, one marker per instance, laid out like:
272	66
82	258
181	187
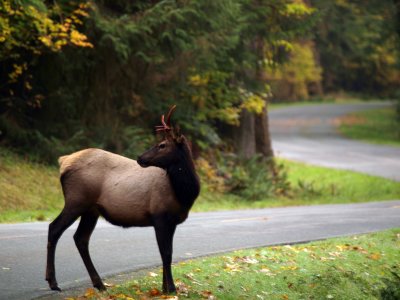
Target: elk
156	190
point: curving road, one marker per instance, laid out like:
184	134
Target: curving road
115	250
308	134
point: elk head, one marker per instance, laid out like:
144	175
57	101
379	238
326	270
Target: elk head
169	151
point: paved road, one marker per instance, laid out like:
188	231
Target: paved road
308	134
116	250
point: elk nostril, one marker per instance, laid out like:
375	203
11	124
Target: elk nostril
141	162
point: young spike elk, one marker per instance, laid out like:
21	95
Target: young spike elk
156	190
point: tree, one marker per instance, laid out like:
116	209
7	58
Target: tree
268	25
357	45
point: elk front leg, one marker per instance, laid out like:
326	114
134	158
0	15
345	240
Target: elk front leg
165	234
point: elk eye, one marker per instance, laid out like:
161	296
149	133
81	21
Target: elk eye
161	146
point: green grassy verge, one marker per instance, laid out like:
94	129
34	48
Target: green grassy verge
28	191
310	185
376	126
31	192
326	100
358	267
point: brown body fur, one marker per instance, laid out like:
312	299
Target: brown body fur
122	191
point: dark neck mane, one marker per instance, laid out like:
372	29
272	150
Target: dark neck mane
184	179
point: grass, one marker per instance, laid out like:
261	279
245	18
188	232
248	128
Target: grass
31	191
28	191
358	267
332	99
310	185
376	126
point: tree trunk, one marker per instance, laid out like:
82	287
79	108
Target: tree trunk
245	135
262	134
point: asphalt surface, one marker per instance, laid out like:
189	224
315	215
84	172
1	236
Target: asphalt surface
308	134
116	250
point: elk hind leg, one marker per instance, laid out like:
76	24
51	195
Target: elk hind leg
56	229
82	236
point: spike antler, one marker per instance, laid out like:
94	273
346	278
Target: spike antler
166	126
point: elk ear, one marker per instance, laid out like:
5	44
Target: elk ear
179	138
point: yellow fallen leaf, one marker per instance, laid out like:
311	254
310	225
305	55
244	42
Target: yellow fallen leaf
342	247
138	292
90	292
290	248
375	256
232	268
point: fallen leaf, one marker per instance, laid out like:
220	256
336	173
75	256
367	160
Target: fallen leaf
342	247
90	292
285	297
290	248
375	256
335	254
181	288
267	271
189	276
249	260
360	249
207	295
109	284
138	292
232	268
154	292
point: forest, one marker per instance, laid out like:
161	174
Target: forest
99	73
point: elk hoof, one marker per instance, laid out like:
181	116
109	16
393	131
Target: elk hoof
169	289
55	288
100	286
53	285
